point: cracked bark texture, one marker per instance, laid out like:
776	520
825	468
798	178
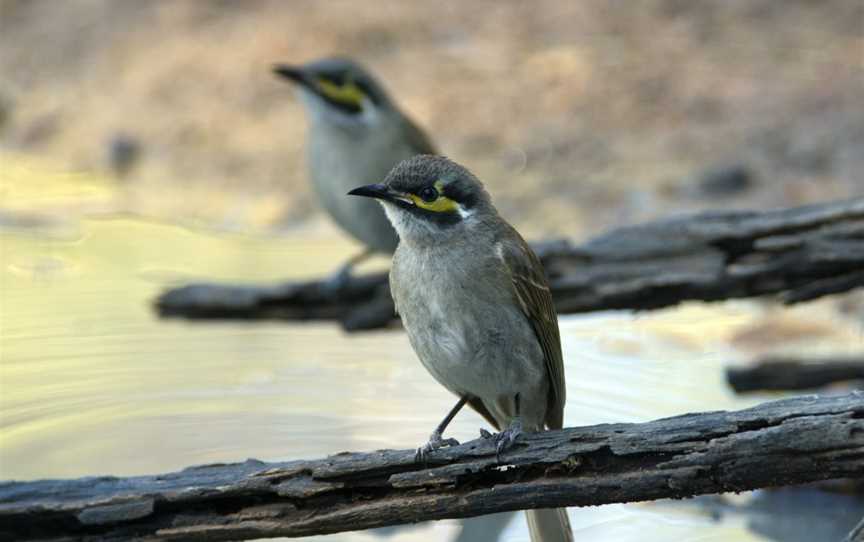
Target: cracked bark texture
791	441
795	254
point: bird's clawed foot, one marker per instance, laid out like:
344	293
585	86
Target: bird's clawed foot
505	439
336	283
333	285
436	441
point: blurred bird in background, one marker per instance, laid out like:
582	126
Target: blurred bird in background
357	134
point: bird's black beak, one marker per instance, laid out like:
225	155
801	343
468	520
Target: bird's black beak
382	192
292	73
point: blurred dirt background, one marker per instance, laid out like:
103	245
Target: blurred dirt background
578	115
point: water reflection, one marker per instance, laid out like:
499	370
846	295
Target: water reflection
93	383
790	514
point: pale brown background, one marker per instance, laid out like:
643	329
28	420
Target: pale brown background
578	115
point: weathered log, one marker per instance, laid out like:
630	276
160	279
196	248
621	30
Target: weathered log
780	374
791	441
797	254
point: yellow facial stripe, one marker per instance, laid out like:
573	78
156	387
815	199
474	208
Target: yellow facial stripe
348	93
442	204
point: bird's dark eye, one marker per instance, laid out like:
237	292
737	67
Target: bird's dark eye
428	194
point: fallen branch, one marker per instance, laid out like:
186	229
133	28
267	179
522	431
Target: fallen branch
797	254
794	375
791	441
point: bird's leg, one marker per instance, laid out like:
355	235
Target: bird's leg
435	439
336	282
505	439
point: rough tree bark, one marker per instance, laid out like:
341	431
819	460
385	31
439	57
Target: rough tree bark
790	441
776	374
797	254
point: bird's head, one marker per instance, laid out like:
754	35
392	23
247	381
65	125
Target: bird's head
337	89
430	198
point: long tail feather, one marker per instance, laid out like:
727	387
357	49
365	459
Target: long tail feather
549	525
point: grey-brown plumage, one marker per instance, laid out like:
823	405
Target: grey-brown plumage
356	135
476	305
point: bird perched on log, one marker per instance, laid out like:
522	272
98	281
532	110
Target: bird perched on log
476	304
357	134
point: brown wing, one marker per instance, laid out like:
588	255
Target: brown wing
535	298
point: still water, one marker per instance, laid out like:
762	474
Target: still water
91	382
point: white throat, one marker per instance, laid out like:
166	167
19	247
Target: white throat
417	231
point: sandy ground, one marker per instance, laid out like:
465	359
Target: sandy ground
578	115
